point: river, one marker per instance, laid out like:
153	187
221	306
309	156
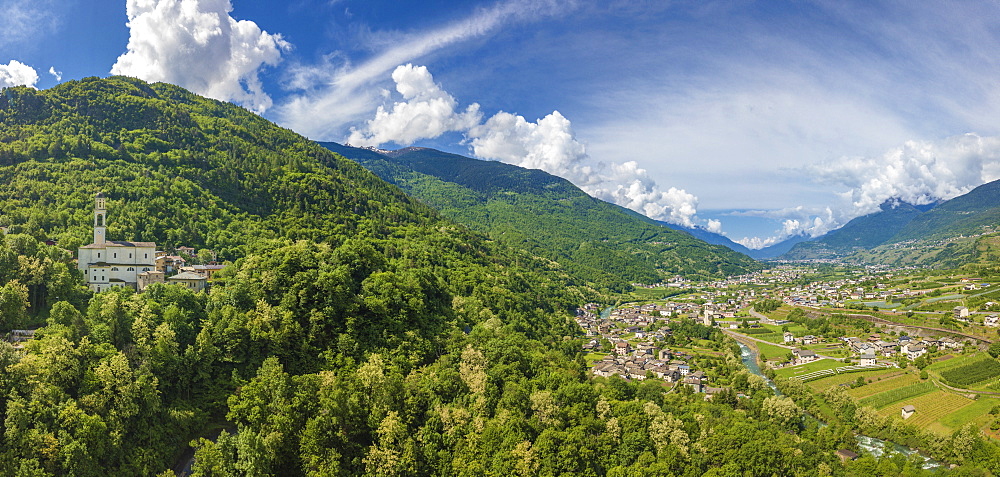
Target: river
871	445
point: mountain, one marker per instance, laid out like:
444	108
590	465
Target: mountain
330	270
549	216
861	233
769	252
972	213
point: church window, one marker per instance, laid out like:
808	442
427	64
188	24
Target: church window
130	255
116	255
130	269
114	269
98	254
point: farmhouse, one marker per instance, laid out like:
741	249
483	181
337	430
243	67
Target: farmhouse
908	411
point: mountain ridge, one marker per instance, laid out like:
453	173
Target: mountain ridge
549	215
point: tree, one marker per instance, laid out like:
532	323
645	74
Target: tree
994	349
13	305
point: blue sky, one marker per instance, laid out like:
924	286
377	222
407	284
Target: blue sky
757	119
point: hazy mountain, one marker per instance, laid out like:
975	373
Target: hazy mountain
861	233
769	252
549	216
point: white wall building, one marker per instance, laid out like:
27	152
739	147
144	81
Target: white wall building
107	264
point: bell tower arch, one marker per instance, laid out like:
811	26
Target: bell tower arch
100	218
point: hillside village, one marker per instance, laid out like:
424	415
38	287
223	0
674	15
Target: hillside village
118	263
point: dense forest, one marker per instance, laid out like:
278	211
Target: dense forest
549	216
356	332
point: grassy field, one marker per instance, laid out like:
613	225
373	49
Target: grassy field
771	352
977	411
792	371
883	385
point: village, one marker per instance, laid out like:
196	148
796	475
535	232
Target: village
631	339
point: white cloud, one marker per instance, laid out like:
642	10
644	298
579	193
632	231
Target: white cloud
23	21
337	93
714	226
197	45
56	74
917	172
16	73
426	112
549	144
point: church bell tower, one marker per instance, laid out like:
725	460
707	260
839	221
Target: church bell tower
100	218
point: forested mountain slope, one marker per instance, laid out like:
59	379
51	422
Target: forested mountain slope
550	217
861	233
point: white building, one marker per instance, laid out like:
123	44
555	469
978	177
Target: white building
107	264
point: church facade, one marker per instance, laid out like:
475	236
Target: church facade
106	263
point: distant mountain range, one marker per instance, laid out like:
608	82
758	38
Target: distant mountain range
602	243
924	228
766	253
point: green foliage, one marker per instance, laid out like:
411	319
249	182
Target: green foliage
766	305
550	217
971	373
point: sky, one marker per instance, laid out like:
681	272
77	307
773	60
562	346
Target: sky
756	119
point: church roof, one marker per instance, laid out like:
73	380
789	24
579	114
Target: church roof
120	243
99	195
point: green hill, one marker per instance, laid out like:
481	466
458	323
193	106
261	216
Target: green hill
975	212
861	233
550	217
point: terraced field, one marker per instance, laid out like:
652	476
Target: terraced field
793	371
883	386
930	408
823	384
898	394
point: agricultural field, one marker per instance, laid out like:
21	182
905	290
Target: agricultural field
974	372
820	385
931	407
977	412
885	384
793	371
771	352
898	394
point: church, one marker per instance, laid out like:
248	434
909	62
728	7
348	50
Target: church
113	263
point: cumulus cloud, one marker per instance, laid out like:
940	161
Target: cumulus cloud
16	73
549	144
714	226
426	112
917	172
197	45
56	74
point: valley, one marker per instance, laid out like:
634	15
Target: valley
499	321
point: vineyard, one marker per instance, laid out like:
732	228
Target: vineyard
930	408
973	372
882	385
894	395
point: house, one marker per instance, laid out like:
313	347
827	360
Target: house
846	455
867	359
908	411
190	280
913	350
622	348
147	278
804	356
112	263
992	320
207	270
788	337
961	313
